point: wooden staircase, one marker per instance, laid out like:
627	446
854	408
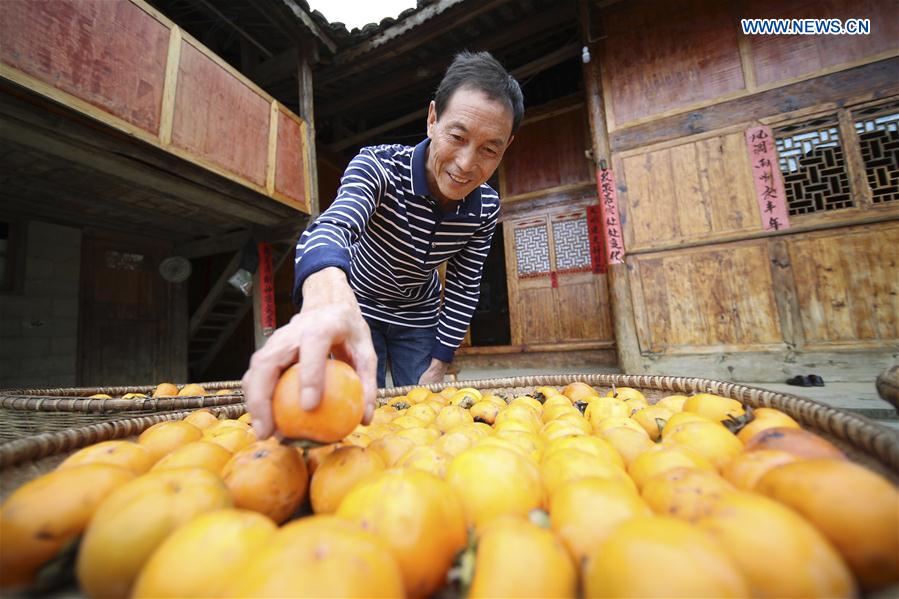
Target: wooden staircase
221	312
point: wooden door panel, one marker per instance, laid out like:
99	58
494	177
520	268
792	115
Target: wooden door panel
847	284
555	294
579	312
126	352
538	315
124	337
700	298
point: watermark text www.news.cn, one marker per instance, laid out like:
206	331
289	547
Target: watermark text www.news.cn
806	26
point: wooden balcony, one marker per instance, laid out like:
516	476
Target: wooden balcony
111	116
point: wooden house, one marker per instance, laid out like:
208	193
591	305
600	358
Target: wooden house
127	149
682	198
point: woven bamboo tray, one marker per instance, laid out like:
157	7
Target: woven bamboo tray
25	412
29	457
863	440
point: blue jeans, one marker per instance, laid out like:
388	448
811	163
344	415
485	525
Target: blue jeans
408	349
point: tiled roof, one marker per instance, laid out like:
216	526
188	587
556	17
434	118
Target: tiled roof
344	37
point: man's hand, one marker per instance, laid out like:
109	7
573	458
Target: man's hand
329	322
435	372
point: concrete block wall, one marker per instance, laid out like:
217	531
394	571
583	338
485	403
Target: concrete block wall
39	328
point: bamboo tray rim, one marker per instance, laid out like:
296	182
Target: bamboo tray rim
877	442
85	392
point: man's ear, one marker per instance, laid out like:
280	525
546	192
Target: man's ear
432	118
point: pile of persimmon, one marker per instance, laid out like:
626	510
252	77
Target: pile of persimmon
551	493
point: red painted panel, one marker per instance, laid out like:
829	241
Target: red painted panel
218	118
290	178
659	55
779	57
109	53
548	153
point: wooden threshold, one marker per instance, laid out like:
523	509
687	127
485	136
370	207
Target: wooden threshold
535	347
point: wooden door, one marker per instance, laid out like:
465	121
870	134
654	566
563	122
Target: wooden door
554	295
533	312
125	334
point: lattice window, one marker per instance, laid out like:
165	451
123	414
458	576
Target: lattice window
878	137
813	165
532	250
572	242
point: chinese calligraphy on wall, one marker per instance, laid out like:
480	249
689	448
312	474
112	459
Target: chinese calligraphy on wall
769	187
608	202
267	284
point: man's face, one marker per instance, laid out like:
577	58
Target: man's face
467	143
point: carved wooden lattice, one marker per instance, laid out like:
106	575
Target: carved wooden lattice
532	250
572	242
878	137
813	165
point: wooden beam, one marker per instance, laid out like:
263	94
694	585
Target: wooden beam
549	60
288	231
83	140
15	204
432	21
369	133
293	20
876	80
525	70
206	6
305	90
626	342
45	197
217	244
277	68
123	168
492	350
538	23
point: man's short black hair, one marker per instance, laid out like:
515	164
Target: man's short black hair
480	71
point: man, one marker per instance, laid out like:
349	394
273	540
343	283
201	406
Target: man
366	270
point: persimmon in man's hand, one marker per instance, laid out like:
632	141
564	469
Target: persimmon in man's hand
339	412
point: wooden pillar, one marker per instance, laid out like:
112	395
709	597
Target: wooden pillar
179	327
626	342
307	58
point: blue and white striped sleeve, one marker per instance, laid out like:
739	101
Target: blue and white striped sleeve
462	289
327	242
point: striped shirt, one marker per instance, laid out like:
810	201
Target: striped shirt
389	236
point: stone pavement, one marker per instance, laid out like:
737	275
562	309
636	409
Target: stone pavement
859	398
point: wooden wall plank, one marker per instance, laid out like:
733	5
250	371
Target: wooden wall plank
651	303
847	284
690	187
861	83
662	55
706	297
582	313
700	189
783	57
537	312
219	120
547	153
290	169
109	54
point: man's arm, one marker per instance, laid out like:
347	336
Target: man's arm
327	242
461	292
330	320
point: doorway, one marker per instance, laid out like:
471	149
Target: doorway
490	323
